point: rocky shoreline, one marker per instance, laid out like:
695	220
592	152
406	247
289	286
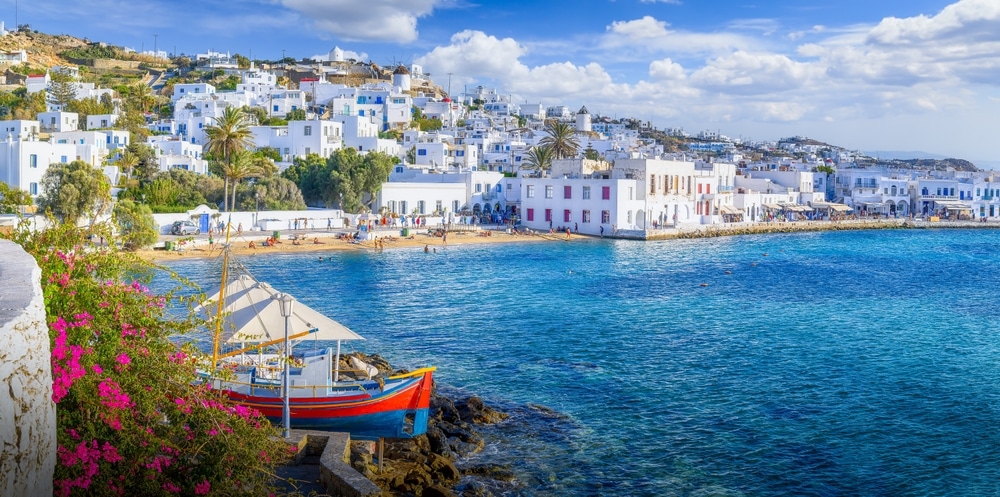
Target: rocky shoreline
432	465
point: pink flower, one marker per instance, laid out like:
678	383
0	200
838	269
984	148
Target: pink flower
97	369
202	488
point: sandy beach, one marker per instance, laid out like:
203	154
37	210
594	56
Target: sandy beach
324	241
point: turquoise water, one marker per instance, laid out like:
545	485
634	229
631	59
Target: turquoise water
841	363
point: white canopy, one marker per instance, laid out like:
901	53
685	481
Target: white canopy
254	315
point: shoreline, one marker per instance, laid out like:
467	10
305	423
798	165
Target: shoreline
313	241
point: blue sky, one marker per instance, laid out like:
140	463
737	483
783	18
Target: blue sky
870	75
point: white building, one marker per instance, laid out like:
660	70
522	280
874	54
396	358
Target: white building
59	121
300	138
174	153
422	191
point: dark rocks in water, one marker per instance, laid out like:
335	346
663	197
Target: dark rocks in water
491	471
473	410
425	465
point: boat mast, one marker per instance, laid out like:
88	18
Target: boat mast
222	297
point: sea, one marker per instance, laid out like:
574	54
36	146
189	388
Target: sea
830	363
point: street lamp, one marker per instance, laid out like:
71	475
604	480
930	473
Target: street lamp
286	301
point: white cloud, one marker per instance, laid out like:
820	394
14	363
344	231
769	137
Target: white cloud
639	29
371	20
666	70
965	19
476	54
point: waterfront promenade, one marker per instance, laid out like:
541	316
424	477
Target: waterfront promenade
320	240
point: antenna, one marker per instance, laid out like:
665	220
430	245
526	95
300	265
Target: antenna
449	84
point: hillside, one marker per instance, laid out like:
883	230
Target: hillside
43	50
939	164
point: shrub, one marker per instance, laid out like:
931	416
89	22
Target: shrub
132	417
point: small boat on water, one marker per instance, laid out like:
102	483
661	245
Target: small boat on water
320	395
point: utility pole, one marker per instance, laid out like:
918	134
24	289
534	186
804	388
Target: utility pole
154	45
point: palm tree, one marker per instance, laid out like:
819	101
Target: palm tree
126	163
562	139
229	134
242	164
539	159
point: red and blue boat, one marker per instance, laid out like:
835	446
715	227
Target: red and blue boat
321	395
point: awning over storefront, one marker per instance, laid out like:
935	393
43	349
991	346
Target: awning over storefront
953	205
775	207
841	207
797	208
831	206
728	209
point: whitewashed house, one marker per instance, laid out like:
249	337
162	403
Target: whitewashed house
174	153
58	121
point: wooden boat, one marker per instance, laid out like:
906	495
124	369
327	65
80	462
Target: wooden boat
320	394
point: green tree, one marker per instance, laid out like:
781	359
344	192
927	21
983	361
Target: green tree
296	115
561	139
241	61
591	154
355	180
242	164
539	159
12	199
61	90
273	193
74	190
89	106
147	166
312	175
228	135
135	223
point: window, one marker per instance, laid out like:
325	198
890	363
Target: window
479	188
422	151
605	217
652	183
286	150
531	214
63	159
567	192
33	160
33	188
460	153
439	206
585	217
530	191
421	206
499	188
586	193
631	193
628	218
605	193
307	131
548	215
402	207
699	187
399	169
548	191
307	150
567	216
454	206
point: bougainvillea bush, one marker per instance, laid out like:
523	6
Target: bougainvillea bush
133	419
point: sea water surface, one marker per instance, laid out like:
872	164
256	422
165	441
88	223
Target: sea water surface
836	363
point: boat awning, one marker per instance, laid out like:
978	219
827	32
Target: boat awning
728	209
254	315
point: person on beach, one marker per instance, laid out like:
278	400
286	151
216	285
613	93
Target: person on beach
444	238
252	246
239	229
567	233
602	231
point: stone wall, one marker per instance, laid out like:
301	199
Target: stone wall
27	413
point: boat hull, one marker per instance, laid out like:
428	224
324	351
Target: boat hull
399	410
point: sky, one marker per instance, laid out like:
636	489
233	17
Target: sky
871	75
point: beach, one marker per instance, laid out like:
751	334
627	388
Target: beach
390	239
324	241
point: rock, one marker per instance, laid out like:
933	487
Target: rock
437	491
473	410
491	471
476	489
443	470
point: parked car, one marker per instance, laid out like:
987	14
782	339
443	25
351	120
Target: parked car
185	228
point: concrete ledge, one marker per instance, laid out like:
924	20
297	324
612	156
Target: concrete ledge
335	473
27	413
